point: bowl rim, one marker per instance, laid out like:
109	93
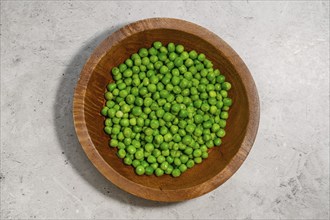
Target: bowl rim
159	194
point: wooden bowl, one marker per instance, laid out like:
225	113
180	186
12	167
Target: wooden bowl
222	162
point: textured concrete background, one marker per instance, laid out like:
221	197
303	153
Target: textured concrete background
44	172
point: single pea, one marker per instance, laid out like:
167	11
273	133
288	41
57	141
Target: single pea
190	128
159	172
177	161
224	93
164	165
184	55
227	102
205	155
154	165
143	52
198	160
144	163
156	152
176	172
190	163
197	153
136	111
149	170
127	161
169	169
129	62
201	57
135	163
161	159
226	86
139	154
183	168
152	51
222	123
178	62
131	149
171	47
162	57
193	54
157	44
184	159
179	48
121	153
151	159
139	170
217	141
221	133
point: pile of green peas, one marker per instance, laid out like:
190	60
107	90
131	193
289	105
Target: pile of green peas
166	109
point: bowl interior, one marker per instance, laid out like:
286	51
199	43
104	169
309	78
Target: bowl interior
218	158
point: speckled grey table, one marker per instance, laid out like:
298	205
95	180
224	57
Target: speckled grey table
44	172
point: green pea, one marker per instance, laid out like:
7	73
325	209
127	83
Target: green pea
217	141
198	160
135	163
183	168
140	170
179	48
159	172
227	102
226	86
176	172
178	62
121	153
190	163
139	154
171	47
157	45
149	170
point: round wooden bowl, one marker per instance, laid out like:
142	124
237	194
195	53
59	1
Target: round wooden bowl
222	162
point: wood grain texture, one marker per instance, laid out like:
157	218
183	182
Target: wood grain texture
222	163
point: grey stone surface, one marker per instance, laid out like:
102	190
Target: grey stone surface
44	172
